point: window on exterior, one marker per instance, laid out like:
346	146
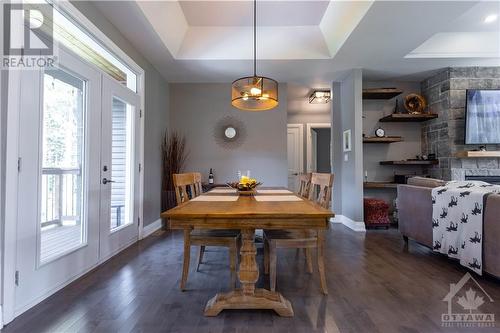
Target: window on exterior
121	164
78	40
62	224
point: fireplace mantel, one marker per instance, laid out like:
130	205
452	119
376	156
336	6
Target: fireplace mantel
477	153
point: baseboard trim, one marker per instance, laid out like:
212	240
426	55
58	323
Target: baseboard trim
1	317
150	228
351	224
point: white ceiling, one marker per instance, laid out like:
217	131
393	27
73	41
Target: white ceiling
240	13
311	42
222	30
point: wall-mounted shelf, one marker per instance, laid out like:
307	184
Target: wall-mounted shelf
410	162
385	139
477	154
379	185
406	117
381	93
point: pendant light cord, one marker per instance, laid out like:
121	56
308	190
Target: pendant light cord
254	38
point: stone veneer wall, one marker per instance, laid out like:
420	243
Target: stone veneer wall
444	136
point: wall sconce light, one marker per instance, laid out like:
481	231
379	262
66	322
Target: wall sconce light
319	97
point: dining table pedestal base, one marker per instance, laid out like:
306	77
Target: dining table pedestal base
249	297
260	299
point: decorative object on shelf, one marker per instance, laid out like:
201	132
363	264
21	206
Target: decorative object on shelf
254	93
347	140
431	156
245	186
229	132
380	132
415	103
397	110
320	97
174	155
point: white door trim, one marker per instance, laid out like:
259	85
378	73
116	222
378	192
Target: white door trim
301	138
11	178
310	126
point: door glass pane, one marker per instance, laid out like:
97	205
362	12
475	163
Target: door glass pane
121	164
61	208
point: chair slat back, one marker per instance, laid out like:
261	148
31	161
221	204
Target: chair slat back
198	190
321	189
304	184
183	182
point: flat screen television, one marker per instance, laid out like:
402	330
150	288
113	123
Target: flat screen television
482	117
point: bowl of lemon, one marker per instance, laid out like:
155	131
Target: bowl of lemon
245	186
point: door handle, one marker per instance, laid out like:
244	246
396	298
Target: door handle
105	181
295	174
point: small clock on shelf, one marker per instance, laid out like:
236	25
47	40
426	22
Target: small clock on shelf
380	132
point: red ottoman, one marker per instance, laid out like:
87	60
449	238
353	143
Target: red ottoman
376	213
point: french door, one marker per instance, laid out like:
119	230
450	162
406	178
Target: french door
119	167
58	197
78	175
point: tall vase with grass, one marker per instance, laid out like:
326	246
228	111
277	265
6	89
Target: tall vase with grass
174	155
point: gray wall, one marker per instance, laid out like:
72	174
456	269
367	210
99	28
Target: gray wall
323	152
348	185
155	113
194	111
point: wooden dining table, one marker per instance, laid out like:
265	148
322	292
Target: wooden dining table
225	209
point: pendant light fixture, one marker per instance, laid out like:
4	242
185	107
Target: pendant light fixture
254	93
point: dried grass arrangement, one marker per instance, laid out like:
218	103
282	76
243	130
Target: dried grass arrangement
174	156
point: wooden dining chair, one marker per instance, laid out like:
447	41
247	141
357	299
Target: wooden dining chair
304	185
320	192
188	186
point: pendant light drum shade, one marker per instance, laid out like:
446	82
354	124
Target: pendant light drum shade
254	93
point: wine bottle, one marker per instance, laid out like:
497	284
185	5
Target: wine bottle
211	177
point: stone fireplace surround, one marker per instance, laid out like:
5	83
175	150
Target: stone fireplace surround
444	136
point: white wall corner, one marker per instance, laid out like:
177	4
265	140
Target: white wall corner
358	226
150	228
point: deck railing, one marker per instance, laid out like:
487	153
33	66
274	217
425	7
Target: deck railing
61	195
62	198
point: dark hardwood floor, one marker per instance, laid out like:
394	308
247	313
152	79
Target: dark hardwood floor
374	284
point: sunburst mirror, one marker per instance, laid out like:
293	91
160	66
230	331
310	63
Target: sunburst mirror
229	132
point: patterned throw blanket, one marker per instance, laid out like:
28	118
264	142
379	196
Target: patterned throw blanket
457	221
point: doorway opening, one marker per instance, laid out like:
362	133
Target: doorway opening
319	148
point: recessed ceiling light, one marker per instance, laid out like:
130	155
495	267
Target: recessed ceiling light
490	18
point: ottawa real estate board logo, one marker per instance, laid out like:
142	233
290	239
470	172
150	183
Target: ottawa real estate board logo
465	300
28	36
